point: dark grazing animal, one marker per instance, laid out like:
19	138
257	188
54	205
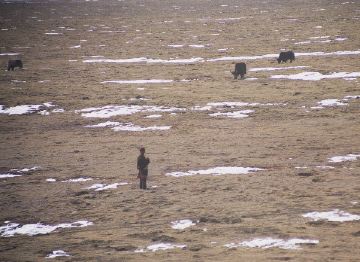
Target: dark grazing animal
284	56
240	69
14	63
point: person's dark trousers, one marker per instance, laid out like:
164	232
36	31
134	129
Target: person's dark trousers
143	182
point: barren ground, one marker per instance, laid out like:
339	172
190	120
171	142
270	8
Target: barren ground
232	208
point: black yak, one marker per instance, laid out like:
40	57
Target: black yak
240	69
284	56
14	63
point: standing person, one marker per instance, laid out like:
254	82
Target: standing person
142	166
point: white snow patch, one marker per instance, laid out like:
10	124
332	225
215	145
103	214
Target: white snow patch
349	157
176	46
335	215
340	39
5	54
113	110
147	60
346	98
334	102
8	175
251	79
75	180
75	46
302	43
230	19
315	76
331	102
154	116
57	253
320	37
269	242
101	187
230	104
51	180
44	113
235	114
163	246
11	229
217	171
325	167
197	46
257	69
130	127
182	224
26	109
18	172
104	124
20	110
53	33
201	108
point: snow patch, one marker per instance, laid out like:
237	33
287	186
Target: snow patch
159	247
53	33
217	171
349	157
176	46
6	54
153	116
325	167
269	242
111	110
235	114
18	172
182	224
335	215
104	124
147	60
10	229
130	127
101	187
257	69
57	253
316	76
26	109
76	180
8	175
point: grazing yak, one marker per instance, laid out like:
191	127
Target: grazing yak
284	56
14	63
240	69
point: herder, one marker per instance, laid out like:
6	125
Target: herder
142	166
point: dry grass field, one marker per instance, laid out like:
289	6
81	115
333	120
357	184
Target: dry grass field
64	46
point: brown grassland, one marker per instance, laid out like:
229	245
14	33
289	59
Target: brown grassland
232	208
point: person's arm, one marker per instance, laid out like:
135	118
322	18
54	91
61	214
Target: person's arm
138	163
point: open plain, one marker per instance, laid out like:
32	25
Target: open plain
241	170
